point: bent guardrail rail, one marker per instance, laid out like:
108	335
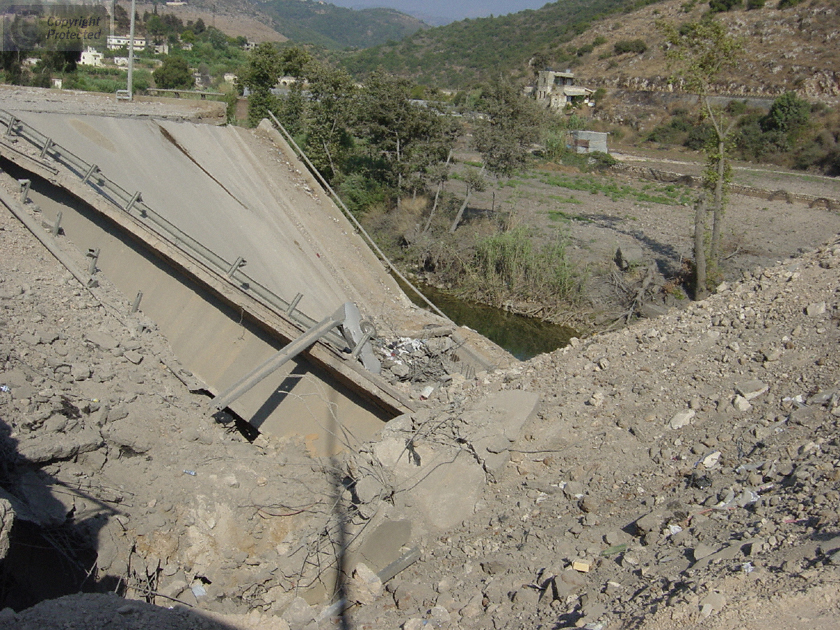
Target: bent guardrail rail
133	205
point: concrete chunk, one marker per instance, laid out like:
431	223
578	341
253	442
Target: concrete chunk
751	389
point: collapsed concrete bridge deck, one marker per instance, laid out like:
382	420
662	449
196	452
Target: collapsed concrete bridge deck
232	248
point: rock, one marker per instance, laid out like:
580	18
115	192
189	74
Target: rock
48	447
815	309
649	523
711	460
368	488
440	617
713	602
751	389
7	519
682	419
127	434
102	340
702	551
80	371
133	356
493	424
741	404
628	256
299	613
365	586
473	608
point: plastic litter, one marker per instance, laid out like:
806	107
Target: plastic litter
198	590
4	388
191	473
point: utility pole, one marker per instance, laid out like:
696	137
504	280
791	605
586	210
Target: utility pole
131	54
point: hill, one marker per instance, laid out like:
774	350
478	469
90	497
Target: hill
463	52
785	49
302	21
323	24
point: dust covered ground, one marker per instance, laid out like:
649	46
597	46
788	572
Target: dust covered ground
682	472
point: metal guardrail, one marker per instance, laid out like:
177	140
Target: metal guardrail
133	205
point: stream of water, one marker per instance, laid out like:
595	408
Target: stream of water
523	337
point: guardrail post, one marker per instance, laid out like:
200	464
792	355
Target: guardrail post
10	129
56	228
93	254
24	189
237	264
91	171
135	306
47	146
132	201
290	351
294	304
369	333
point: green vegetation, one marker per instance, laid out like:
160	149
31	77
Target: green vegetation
510	266
635	46
173	74
721	6
337	28
670	194
464	53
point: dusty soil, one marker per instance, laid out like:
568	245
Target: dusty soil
682	472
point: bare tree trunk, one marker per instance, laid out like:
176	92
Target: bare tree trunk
437	197
460	214
700	291
717	221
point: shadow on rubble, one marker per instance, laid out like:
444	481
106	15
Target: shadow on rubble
48	550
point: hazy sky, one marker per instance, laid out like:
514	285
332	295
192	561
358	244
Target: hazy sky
448	9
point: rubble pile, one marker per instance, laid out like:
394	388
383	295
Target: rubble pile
670	473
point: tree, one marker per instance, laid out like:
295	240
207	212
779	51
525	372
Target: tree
260	75
510	125
174	74
331	113
474	181
701	51
404	139
788	114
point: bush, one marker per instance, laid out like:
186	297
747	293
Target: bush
721	6
508	265
636	46
788	114
700	136
786	4
174	74
755	4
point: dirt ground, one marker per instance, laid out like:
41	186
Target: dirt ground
653	221
683	472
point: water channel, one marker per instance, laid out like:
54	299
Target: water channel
523	337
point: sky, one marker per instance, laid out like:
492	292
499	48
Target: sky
443	11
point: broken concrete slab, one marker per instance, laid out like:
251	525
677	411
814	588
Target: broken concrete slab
48	447
493	425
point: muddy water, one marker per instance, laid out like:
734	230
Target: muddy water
523	337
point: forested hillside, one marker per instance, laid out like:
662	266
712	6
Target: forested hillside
323	24
463	52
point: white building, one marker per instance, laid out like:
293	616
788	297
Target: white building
91	57
115	42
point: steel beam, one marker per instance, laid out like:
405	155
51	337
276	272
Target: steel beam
274	363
